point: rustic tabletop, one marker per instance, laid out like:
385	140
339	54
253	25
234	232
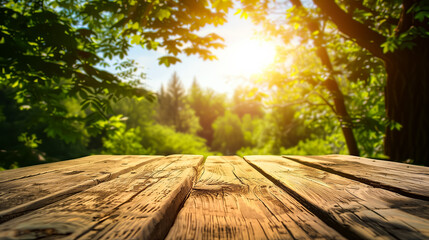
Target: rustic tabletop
185	197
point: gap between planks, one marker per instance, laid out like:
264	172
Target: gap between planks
326	218
414	188
356	210
319	212
58	190
231	200
41	169
140	204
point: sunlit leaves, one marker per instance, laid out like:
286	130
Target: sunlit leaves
403	41
152	45
163	13
163	24
29	141
135	39
47	62
222	5
168	60
390	45
302	83
243	14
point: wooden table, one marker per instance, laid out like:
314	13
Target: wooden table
185	197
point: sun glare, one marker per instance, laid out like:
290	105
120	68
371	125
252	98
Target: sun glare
250	56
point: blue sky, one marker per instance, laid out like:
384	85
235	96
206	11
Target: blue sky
222	75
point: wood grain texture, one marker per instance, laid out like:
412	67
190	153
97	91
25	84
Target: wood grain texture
233	201
140	204
359	210
24	172
30	191
409	180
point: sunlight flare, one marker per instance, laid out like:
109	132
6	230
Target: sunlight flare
250	56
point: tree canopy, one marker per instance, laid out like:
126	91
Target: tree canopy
395	32
54	52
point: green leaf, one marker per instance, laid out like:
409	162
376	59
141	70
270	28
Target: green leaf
168	60
135	39
135	26
422	15
163	14
389	46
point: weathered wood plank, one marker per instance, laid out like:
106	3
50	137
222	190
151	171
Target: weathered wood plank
380	163
405	179
359	210
140	204
32	191
23	172
231	200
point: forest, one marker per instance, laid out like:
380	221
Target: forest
349	77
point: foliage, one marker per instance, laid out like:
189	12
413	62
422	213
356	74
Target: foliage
136	132
394	32
164	140
228	136
276	130
243	103
45	58
208	106
319	61
28	133
53	52
318	146
173	109
124	141
338	62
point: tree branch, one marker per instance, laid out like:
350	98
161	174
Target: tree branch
357	4
406	19
326	102
364	36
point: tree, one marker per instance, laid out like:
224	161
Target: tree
400	49
176	92
51	51
208	106
136	132
244	104
313	36
173	109
228	136
397	33
58	43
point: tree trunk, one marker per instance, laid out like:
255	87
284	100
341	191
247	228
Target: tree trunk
407	103
332	85
407	90
343	116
